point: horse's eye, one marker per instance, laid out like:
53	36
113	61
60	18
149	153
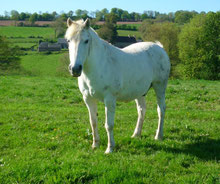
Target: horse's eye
86	41
68	41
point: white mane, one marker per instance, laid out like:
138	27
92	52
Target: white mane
74	29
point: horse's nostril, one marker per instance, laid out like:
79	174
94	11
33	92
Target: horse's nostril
80	67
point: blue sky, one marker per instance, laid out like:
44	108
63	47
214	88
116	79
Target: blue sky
163	6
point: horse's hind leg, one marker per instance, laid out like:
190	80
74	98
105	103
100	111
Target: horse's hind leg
141	108
160	89
92	108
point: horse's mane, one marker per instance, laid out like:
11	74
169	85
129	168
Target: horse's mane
74	29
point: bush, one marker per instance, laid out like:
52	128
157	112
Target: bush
199	47
167	33
9	56
108	32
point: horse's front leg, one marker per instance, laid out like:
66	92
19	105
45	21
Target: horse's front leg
92	108
110	104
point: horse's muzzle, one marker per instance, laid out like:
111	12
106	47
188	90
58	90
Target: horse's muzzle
76	70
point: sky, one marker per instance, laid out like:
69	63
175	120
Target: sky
139	6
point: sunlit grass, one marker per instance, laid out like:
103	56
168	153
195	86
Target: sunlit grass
46	137
25	32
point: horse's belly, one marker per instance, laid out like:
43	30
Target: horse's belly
134	91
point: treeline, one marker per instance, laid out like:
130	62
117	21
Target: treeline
122	15
193	48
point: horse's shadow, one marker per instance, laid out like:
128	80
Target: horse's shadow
206	149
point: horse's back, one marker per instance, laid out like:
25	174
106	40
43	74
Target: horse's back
138	47
154	54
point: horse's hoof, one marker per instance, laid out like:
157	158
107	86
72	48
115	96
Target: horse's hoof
108	150
158	137
135	135
95	145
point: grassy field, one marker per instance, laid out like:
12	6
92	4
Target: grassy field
41	64
130	33
45	136
46	32
27	37
25	32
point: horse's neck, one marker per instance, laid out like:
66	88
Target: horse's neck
100	51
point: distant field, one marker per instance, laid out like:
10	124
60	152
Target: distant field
25	32
11	22
131	33
25	42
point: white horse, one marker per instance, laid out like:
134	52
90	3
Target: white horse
107	74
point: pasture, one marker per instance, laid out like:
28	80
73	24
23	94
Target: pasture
25	32
27	37
45	135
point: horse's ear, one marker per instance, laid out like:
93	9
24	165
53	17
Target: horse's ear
69	22
87	23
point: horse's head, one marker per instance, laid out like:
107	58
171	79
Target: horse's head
78	37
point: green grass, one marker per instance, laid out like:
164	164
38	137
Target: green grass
25	42
41	64
128	32
25	32
26	37
45	136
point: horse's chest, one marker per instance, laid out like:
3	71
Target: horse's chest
94	89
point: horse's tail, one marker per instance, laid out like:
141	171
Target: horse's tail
159	44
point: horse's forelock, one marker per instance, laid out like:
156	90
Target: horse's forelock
74	29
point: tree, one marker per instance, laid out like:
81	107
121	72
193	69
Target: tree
47	17
144	16
14	15
9	56
33	18
99	15
104	12
55	15
63	16
59	27
111	18
70	14
108	31
23	16
78	12
81	13
125	16
167	33
137	17
199	47
182	17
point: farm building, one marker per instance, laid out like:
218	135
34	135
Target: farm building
124	41
45	46
63	43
